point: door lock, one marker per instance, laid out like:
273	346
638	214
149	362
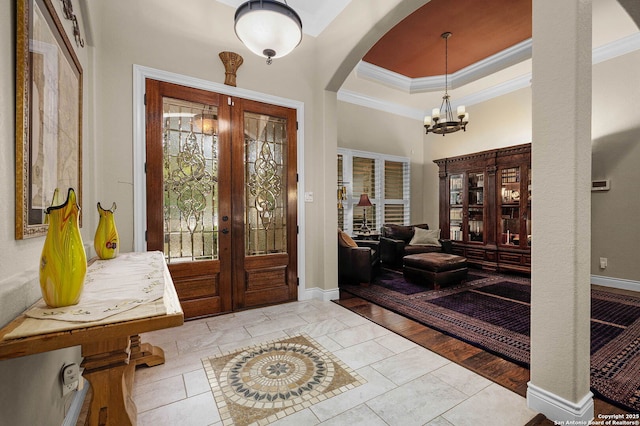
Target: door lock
225	231
225	218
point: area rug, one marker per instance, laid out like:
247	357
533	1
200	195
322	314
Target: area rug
492	311
266	382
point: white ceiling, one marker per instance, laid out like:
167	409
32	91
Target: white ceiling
316	15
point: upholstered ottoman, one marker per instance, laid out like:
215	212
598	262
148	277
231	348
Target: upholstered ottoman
438	269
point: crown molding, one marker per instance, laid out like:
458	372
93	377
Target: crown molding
494	91
501	60
616	48
501	89
418	114
483	68
379	104
380	75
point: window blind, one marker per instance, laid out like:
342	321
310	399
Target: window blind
396	190
384	178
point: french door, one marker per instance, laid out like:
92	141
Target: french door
221	197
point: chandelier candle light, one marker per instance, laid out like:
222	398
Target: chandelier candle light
268	28
442	120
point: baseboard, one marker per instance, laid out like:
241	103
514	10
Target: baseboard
558	409
76	405
320	294
620	283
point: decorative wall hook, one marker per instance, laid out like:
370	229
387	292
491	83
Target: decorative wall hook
232	62
67	8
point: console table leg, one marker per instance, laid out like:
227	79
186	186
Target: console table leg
145	353
110	374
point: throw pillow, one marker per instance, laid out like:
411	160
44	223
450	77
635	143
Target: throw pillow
425	237
345	240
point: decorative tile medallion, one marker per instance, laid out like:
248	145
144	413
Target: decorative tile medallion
264	383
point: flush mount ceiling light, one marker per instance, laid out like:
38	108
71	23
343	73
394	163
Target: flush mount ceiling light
442	118
268	28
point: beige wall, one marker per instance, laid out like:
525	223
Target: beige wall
153	34
29	391
616	155
496	123
506	121
184	40
188	43
372	130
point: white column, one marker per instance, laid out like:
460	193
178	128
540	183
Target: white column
561	162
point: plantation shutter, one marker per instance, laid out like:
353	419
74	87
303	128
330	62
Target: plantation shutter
384	178
396	192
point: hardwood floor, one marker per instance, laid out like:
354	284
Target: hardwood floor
506	373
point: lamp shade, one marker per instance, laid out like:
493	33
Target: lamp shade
268	28
364	201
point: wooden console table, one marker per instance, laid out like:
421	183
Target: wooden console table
111	349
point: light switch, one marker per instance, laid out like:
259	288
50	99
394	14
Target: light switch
308	197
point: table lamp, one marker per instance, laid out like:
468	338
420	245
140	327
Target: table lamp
364	203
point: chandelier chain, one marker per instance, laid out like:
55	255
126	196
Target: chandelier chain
446	64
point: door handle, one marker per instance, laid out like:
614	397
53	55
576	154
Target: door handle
225	231
225	218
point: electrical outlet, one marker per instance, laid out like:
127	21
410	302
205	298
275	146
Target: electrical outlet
69	378
603	263
66	389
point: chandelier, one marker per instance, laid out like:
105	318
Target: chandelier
268	28
442	120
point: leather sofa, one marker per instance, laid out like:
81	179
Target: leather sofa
395	243
357	261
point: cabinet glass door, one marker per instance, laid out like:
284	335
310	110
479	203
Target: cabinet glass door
510	206
475	190
456	200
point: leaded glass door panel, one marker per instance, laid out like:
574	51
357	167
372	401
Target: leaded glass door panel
188	194
264	204
221	197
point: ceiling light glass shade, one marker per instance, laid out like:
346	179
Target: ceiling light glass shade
268	28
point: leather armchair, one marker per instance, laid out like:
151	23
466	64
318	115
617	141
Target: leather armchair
394	244
357	261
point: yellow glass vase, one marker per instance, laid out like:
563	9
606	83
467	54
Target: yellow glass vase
107	242
63	264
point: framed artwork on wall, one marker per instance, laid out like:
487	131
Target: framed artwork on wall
48	115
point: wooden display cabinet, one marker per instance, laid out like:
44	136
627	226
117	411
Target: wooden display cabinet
485	207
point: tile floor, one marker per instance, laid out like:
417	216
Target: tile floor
406	384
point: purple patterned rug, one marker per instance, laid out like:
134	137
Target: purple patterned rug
492	311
